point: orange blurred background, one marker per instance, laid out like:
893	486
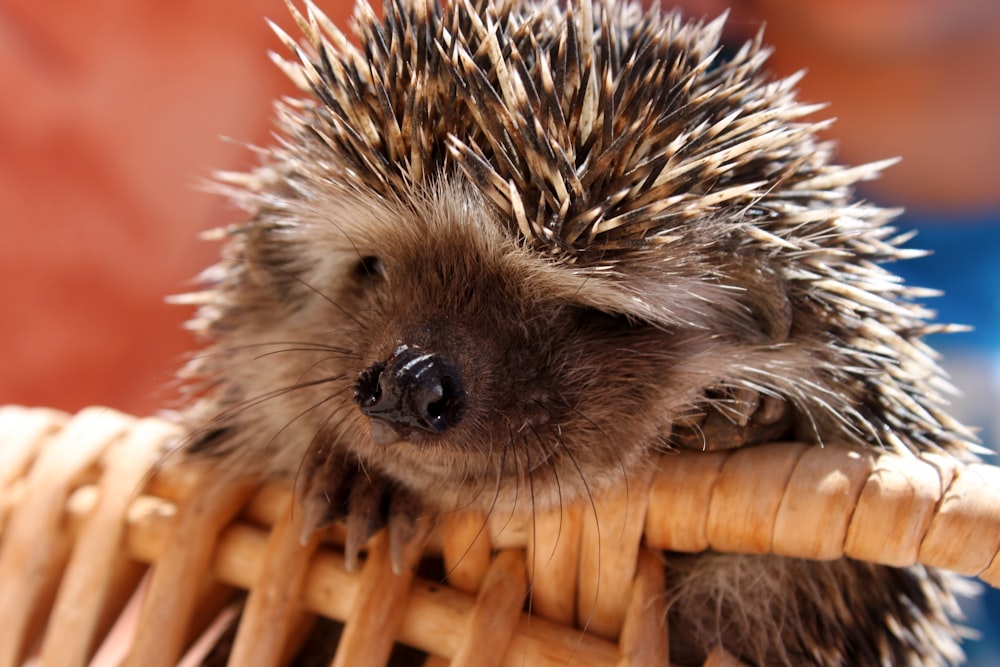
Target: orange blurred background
114	114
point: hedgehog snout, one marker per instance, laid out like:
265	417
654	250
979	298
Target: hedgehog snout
414	390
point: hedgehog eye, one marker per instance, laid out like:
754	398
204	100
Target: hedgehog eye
368	269
761	214
595	318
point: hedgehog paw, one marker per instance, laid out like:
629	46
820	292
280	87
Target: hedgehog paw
743	417
333	486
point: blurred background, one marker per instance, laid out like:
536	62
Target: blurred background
114	113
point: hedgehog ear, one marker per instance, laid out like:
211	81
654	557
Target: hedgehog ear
270	264
766	297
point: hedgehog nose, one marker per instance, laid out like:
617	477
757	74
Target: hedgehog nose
411	390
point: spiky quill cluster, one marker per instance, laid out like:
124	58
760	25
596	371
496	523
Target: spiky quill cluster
620	143
622	240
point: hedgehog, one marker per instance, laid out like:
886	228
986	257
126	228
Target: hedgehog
503	253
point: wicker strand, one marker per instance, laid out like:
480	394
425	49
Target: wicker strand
609	553
830	502
89	578
172	598
498	609
963	534
465	550
645	637
553	562
30	575
272	610
380	603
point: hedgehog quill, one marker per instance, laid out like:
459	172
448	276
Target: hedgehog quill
505	251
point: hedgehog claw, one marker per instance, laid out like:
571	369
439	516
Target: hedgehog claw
404	511
364	516
332	485
321	491
771	410
745	403
748	418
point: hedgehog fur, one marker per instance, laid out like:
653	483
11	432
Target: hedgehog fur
600	238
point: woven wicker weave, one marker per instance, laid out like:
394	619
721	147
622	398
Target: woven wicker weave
76	541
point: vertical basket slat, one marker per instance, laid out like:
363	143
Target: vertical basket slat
494	618
29	574
272	611
96	557
170	604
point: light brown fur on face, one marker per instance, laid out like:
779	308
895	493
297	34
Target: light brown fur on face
566	243
532	348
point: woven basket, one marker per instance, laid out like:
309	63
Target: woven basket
93	571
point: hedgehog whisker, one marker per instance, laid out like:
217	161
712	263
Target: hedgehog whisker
533	508
310	367
621	461
300	346
325	399
316	443
597	528
243	406
559	491
547	453
486	515
344	354
511	447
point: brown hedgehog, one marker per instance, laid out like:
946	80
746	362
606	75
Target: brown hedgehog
504	251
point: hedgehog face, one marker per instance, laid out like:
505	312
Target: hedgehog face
433	345
507	243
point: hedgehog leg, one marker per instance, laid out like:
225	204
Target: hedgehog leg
333	485
365	514
323	488
748	418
